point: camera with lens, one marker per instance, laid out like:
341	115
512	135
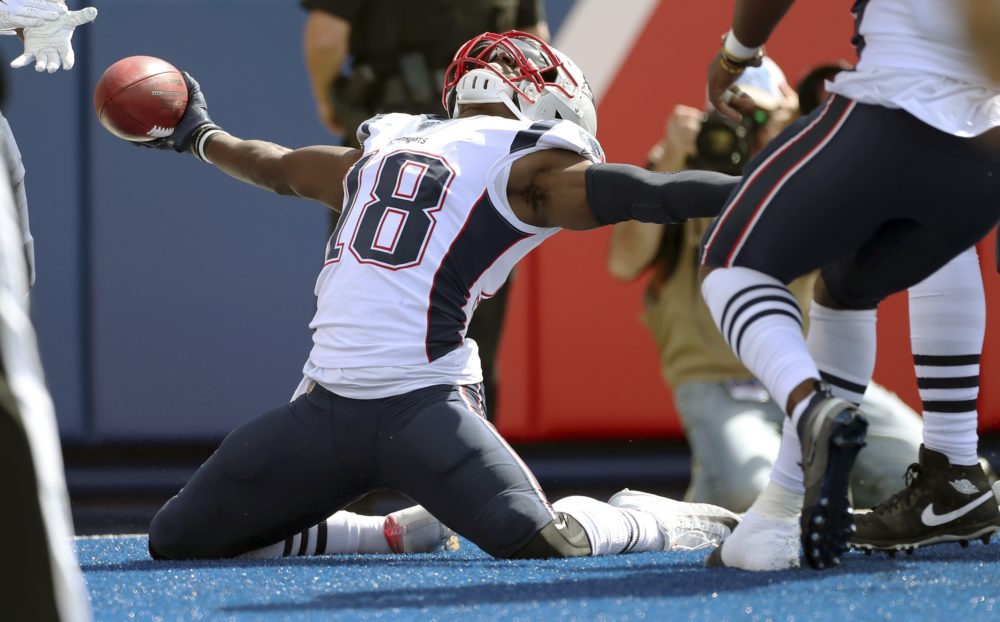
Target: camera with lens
724	145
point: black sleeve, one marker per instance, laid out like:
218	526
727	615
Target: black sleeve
619	192
529	13
344	9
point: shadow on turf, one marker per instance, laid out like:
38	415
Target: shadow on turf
641	581
855	560
638	581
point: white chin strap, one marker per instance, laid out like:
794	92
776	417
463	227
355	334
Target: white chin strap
482	86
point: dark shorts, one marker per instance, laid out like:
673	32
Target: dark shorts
872	196
297	464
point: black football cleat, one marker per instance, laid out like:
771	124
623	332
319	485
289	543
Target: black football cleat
941	503
832	432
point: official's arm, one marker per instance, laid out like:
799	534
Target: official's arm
325	42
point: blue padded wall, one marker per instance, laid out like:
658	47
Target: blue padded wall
172	301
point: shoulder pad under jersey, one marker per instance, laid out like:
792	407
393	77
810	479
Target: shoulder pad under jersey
559	135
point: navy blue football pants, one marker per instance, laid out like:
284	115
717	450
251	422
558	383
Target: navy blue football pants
299	463
873	197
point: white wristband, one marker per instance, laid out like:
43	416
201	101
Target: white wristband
736	49
199	146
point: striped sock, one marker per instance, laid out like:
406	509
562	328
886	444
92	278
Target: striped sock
761	321
843	346
342	533
947	327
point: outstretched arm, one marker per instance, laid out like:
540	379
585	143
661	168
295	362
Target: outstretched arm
558	188
311	172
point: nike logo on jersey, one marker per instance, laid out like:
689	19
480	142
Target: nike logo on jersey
931	519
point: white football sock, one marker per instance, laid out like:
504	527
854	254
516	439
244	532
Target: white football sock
947	325
344	532
787	469
798	410
761	321
776	501
843	345
612	530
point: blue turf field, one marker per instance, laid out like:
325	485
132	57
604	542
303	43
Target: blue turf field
938	583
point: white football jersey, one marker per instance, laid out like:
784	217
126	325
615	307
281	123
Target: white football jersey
914	55
426	233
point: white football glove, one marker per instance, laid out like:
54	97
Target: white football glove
51	44
29	13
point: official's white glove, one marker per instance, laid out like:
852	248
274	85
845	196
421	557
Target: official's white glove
51	44
29	13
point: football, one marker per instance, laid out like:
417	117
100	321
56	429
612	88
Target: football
140	98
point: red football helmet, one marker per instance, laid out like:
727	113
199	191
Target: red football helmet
534	80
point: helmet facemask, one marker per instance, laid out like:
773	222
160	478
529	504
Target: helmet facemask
534	81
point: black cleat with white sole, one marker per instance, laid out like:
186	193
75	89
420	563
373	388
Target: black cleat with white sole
941	503
832	432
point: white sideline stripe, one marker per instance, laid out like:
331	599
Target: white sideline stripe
589	22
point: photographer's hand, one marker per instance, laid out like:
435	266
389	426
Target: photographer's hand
682	135
672	152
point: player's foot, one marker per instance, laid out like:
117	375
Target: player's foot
415	530
941	503
685	526
832	432
759	543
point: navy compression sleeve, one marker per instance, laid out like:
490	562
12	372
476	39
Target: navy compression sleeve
619	192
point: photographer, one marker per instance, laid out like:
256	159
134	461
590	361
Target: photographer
732	425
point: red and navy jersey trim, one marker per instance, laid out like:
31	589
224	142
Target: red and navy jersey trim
484	238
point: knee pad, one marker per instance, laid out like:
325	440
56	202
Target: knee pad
562	537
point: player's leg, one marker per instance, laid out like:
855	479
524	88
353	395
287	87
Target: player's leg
440	451
733	438
270	481
843	343
880	208
947	326
409	530
788	218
